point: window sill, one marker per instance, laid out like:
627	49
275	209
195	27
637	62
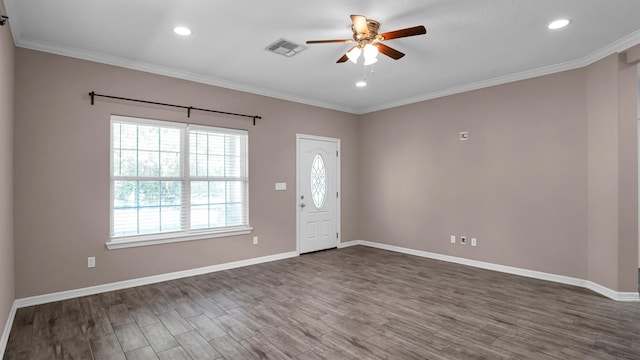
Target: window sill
122	243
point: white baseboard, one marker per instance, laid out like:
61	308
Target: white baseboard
611	294
349	243
92	290
7	329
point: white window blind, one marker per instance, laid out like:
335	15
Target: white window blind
218	178
172	180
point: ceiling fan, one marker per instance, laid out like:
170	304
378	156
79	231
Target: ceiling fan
365	34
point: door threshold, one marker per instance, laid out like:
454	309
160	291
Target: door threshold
317	251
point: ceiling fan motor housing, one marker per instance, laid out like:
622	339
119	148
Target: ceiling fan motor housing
371	34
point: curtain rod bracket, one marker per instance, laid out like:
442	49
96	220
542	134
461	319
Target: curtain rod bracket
3	19
92	94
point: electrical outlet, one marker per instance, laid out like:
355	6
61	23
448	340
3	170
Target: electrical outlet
463	240
474	242
255	240
91	262
453	239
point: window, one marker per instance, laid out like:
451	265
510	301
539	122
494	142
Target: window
175	182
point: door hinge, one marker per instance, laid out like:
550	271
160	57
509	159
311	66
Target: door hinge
336	235
337	153
336	194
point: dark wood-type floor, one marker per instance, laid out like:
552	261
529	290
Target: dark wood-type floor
353	303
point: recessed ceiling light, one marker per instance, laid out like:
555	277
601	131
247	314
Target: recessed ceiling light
361	83
181	30
558	24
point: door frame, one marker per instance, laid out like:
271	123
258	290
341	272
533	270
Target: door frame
338	189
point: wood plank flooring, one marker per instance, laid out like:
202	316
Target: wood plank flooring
353	303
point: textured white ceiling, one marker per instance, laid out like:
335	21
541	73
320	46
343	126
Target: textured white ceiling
469	43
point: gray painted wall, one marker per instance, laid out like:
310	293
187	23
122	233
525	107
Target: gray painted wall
524	184
547	180
7	277
518	184
62	171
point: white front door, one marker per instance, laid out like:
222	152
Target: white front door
318	182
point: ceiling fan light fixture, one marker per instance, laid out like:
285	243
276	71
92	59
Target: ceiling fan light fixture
369	42
354	54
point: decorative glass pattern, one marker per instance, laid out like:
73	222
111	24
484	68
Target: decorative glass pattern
318	181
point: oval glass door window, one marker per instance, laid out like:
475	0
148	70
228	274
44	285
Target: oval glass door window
318	181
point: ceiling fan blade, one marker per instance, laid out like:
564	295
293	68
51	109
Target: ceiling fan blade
329	41
412	31
390	52
360	24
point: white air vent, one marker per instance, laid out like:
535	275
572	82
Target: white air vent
285	47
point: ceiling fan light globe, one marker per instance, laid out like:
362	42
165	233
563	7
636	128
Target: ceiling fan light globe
354	54
370	51
370	61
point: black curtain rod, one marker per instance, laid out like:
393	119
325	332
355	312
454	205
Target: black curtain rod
188	108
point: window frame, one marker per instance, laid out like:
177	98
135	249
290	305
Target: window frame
185	178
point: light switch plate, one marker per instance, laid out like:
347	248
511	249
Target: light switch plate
464	135
281	186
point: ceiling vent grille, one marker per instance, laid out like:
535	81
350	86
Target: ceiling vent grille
285	48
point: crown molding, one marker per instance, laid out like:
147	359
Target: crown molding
81	54
617	46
